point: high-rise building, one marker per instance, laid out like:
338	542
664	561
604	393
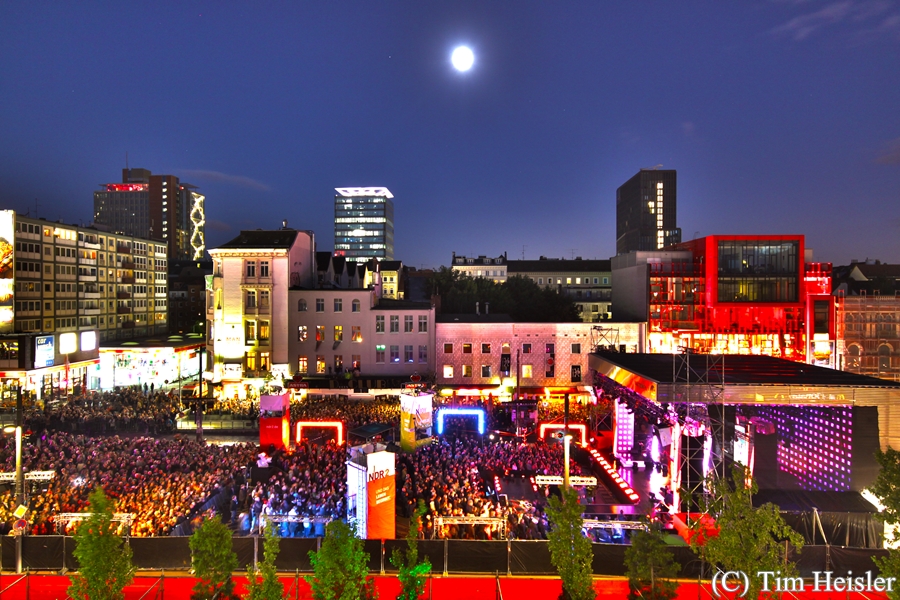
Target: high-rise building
157	207
645	212
364	223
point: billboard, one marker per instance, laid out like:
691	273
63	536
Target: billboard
7	270
43	351
381	491
415	420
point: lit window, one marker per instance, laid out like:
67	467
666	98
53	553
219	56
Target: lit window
448	371
526	372
302	333
339	333
356	333
467	371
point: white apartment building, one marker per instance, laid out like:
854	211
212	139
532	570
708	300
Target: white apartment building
483	266
248	305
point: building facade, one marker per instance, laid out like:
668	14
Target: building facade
247	305
479	354
730	295
588	283
483	266
869	335
364	223
646	212
352	332
157	207
71	278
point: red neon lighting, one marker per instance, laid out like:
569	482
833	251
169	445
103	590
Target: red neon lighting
338	426
126	187
577	426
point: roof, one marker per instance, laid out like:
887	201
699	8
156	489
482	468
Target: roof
468	318
390	304
350	192
390	265
323	261
740	369
557	264
279	238
874	271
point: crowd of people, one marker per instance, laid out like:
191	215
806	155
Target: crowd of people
122	442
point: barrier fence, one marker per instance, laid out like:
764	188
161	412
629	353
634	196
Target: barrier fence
54	553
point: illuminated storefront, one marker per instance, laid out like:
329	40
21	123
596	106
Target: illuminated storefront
151	363
48	365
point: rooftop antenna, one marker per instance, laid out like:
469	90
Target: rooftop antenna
572	253
523	250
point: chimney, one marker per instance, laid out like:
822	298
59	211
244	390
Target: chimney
487	307
477	310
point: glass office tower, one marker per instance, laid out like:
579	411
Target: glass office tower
364	223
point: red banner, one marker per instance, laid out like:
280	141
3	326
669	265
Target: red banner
381	490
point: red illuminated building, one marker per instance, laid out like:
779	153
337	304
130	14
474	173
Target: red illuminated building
730	294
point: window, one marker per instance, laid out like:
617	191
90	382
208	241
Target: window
526	348
263	268
467	371
576	373
595	308
526	372
338	305
251	299
320	333
379	324
550	349
264	298
355	361
251	268
448	348
408	353
407	324
264	330
395	353
576	348
395	324
467	348
302	333
578	281
379	354
301	305
540	281
423	324
320	365
356	333
423	353
448	371
485	348
251	330
606	281
595	281
339	333
338	363
320	304
355	306
485	370
302	364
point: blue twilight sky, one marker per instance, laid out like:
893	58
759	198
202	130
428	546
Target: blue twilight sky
780	116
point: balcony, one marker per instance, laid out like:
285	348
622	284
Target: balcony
127	264
126	279
123	249
127	324
123	310
122	295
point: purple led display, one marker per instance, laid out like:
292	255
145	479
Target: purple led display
814	444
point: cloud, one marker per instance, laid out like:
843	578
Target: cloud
215	225
858	18
890	155
218	176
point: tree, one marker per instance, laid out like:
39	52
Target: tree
651	567
570	551
262	582
412	572
887	489
213	560
340	567
749	539
104	560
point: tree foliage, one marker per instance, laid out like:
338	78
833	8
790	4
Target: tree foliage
104	559
412	573
750	539
887	489
570	551
651	568
519	297
340	567
262	582
213	560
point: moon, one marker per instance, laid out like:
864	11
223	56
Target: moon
462	59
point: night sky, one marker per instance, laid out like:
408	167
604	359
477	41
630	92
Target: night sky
780	116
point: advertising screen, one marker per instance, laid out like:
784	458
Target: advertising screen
381	491
43	351
88	340
68	343
7	269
